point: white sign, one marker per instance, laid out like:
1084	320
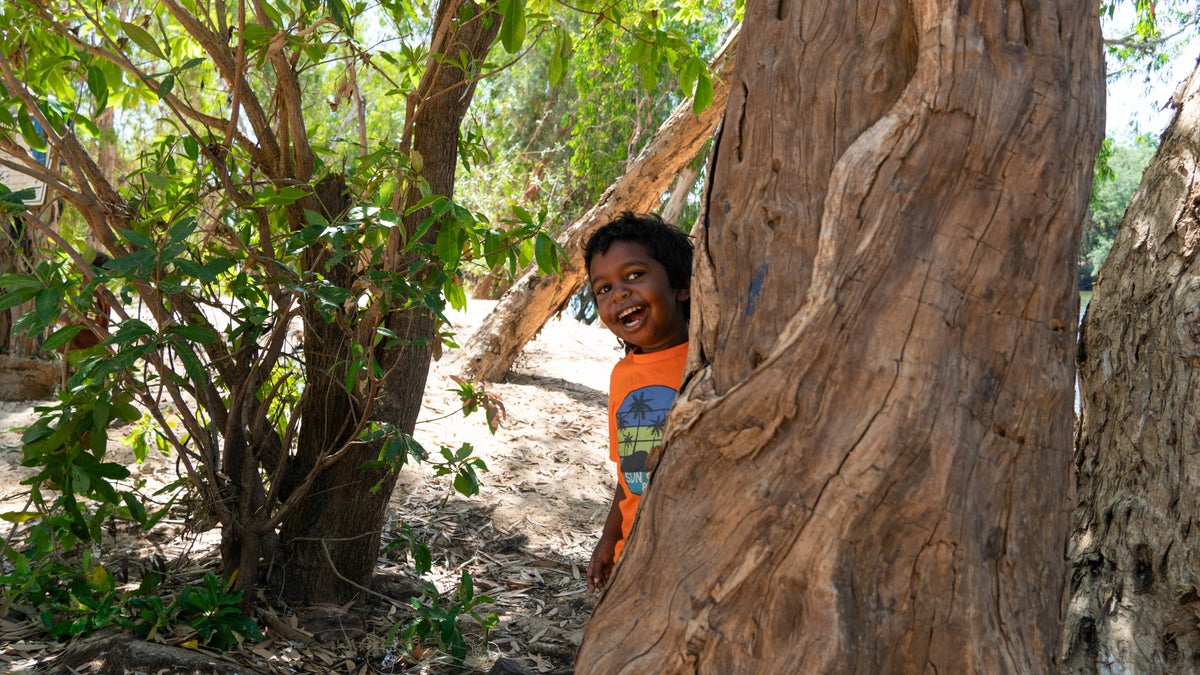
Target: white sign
16	181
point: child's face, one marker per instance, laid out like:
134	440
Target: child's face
634	297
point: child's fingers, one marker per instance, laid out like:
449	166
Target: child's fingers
596	577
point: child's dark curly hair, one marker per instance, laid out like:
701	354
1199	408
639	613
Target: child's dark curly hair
670	246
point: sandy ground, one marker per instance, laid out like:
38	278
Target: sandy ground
527	537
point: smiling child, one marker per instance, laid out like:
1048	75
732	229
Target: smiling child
639	268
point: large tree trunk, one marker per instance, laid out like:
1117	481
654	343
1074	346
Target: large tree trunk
535	297
1134	605
867	468
332	552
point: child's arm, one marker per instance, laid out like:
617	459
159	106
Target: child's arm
603	556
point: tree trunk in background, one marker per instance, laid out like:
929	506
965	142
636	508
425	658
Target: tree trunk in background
13	258
679	194
1134	605
21	247
349	536
26	372
535	298
867	468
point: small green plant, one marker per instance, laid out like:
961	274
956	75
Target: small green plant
463	464
474	397
73	599
214	611
79	599
435	618
146	611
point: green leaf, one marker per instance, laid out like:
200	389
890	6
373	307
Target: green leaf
30	133
560	56
47	304
448	249
256	34
131	330
557	68
339	12
23	281
142	38
648	73
466	484
195	333
427	201
467	587
207	272
126	411
61	337
137	510
98	86
269	196
191	363
136	238
156	181
110	470
422	558
17	297
512	28
690	73
455	295
20	516
704	93
545	252
167	84
352	372
182	229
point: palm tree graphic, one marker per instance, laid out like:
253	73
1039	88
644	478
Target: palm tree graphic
640	406
656	429
628	442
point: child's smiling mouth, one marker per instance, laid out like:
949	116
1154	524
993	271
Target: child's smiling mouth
632	317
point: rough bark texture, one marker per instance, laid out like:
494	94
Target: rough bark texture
867	468
535	298
1134	605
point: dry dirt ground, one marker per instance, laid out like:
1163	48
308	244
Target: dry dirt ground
525	539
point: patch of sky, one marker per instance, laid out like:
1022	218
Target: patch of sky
1138	95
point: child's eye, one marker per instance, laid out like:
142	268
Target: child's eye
634	275
601	290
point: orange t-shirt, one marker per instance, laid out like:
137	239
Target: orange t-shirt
641	392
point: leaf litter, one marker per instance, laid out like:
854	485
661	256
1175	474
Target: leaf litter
525	539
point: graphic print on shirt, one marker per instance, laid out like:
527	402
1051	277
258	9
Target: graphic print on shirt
640	421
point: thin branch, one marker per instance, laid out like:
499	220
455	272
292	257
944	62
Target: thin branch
268	147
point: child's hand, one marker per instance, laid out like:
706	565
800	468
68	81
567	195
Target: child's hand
601	565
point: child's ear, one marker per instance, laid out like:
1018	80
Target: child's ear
683	295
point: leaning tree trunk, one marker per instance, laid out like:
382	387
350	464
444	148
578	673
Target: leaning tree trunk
867	468
1134	603
331	553
535	297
